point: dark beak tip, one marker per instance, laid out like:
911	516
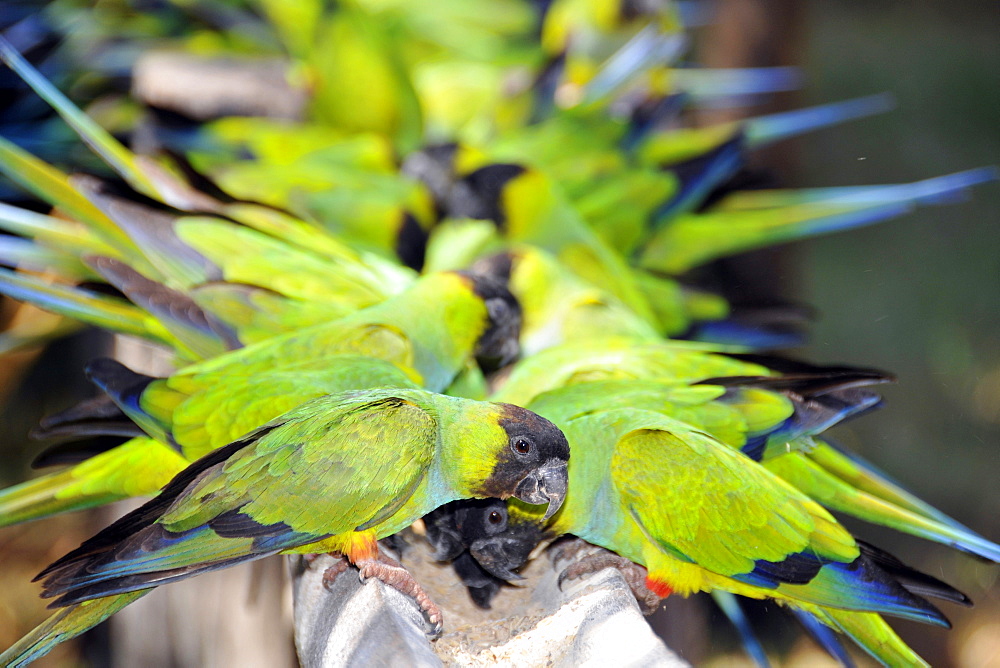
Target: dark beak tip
545	485
554	485
495	561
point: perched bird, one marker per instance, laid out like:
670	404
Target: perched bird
459	531
489	540
745	531
102	471
425	337
201	284
774	415
711	471
334	474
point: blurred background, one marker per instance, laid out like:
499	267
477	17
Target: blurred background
918	296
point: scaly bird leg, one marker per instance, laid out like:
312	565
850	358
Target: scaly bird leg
392	573
339	565
596	559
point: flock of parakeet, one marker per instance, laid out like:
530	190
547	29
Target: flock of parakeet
459	279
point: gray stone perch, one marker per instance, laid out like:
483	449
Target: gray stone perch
594	620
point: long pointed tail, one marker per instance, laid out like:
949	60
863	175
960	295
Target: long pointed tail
47	496
139	467
872	634
65	624
730	607
841	496
745	221
824	636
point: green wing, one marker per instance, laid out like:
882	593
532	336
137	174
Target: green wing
324	469
218	412
330	466
139	467
737	512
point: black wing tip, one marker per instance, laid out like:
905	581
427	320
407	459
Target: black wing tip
119	381
821	382
791	366
916	582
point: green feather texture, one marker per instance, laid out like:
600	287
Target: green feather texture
378	459
425	337
480	216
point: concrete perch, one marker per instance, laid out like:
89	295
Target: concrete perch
594	620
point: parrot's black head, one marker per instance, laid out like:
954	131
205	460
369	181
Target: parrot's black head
499	541
498	266
533	465
456	526
486	548
498	345
479	195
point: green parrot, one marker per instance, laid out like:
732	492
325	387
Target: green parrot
605	48
349	187
621	357
245	270
405	70
488	540
332	475
745	531
744	221
424	337
776	418
142	465
558	306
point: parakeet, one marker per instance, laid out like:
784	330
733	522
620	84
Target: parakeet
424	337
745	531
458	530
199	284
334	474
493	539
471	533
777	416
282	286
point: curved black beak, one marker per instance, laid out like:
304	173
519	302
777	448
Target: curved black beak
499	555
546	484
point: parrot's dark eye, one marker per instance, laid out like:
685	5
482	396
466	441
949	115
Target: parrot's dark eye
496	517
520	445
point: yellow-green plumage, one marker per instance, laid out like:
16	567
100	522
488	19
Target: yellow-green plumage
359	459
609	358
424	337
741	513
654	376
336	473
700	517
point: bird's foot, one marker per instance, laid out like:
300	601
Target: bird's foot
569	548
597	560
332	571
392	573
